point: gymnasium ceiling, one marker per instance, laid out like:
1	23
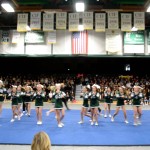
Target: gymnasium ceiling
10	19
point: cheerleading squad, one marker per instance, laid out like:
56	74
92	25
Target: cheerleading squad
92	94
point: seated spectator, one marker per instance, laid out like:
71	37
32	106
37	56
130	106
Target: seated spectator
41	141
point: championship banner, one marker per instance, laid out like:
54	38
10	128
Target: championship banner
48	21
15	37
88	20
134	42
51	37
73	21
22	22
100	22
35	20
113	41
61	20
5	37
113	20
126	21
139	20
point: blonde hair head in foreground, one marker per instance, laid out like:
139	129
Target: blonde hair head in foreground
41	141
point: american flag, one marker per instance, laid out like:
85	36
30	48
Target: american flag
80	42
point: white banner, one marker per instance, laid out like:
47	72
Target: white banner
35	20
113	20
15	37
51	37
48	21
73	21
126	21
88	20
22	22
100	22
139	20
61	20
113	41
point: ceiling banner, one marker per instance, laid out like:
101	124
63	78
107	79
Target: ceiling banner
22	22
113	20
61	20
126	21
88	20
35	20
139	20
100	22
113	40
73	21
48	21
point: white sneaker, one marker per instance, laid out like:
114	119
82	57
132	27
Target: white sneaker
126	121
109	115
135	124
47	113
105	116
18	117
112	119
90	120
62	124
139	122
40	122
26	114
59	125
80	122
12	120
96	123
92	123
21	115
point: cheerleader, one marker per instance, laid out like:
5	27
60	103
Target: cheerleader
85	105
108	95
60	112
136	96
28	95
120	103
2	95
19	96
38	97
94	104
14	100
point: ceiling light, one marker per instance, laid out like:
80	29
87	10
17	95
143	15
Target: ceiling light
7	7
148	9
134	29
80	27
80	7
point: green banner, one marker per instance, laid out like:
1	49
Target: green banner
148	37
34	37
134	38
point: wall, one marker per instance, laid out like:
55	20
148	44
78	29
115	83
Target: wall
96	45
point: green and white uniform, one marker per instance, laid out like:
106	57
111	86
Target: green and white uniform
136	97
19	96
85	100
39	99
94	99
120	99
27	97
58	99
108	97
14	99
2	94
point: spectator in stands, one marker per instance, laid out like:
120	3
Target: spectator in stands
41	141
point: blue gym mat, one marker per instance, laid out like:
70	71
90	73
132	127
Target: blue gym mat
106	134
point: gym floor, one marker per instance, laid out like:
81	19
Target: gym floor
77	105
